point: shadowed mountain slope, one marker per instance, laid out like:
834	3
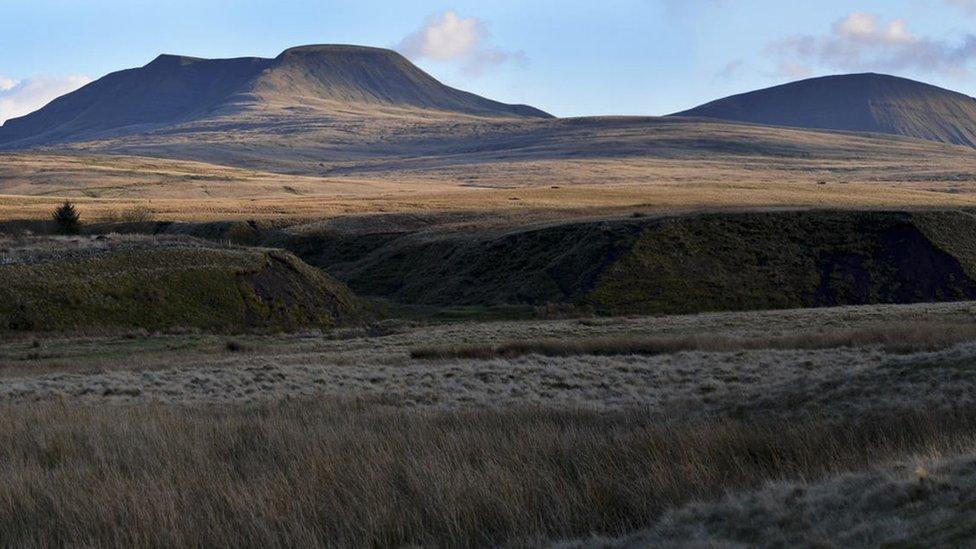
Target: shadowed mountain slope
367	76
173	90
168	90
858	102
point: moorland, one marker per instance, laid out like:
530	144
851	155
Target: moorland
325	300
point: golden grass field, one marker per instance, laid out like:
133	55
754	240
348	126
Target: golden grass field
591	168
34	185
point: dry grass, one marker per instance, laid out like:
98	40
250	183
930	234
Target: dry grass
314	474
572	169
918	503
330	198
488	469
894	338
21	249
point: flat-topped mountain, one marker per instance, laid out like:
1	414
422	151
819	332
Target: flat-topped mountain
174	89
367	76
857	102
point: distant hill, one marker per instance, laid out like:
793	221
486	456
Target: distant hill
857	102
172	90
356	112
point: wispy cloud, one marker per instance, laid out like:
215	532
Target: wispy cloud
20	97
448	37
865	41
731	70
968	6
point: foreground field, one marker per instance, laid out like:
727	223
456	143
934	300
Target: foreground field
606	427
751	364
315	474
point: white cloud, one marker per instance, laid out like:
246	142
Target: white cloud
444	38
448	37
864	41
867	28
20	97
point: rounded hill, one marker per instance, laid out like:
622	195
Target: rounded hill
857	102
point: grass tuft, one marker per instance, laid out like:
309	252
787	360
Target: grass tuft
234	346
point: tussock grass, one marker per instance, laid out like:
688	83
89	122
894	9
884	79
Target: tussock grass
895	338
918	503
359	474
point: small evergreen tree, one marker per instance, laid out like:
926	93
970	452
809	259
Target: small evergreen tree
67	219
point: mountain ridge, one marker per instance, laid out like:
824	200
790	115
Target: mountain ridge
863	102
172	89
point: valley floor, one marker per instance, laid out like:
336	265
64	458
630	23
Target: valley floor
726	428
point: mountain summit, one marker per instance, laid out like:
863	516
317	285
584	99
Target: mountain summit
368	76
175	89
856	102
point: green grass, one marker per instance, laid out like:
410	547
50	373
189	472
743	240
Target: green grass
787	260
157	289
682	264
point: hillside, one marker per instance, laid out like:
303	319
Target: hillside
679	264
173	89
857	102
168	90
157	284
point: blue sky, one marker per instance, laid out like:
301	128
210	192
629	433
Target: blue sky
568	57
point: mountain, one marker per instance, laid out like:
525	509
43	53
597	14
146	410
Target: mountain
857	102
367	77
174	90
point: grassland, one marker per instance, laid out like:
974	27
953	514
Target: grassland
526	170
916	502
341	438
193	427
330	475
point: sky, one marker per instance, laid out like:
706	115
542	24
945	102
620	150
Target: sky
568	57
